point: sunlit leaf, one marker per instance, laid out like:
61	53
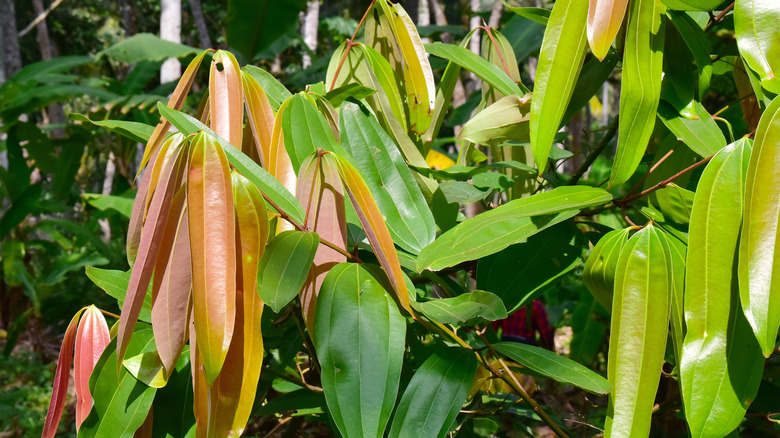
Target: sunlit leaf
599	271
114	283
91	339
755	26
604	20
505	120
61	377
226	105
481	67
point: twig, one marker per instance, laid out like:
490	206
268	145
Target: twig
647	174
662	184
719	17
278	427
42	16
595	152
350	43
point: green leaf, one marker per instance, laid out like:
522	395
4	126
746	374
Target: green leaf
305	129
755	25
504	120
274	90
462	192
674	202
640	320
337	96
285	265
640	90
389	179
697	43
107	202
553	366
463	308
701	134
435	394
592	77
539	15
39	70
560	61
359	334
252	25
135	131
114	283
599	271
759	257
146	47
692	5
521	271
481	67
508	224
121	403
721	364
173	416
148	368
267	184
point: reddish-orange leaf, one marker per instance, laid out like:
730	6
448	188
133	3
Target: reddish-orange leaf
148	250
374	225
226	98
175	102
146	429
60	385
171	300
260	117
200	389
604	20
166	151
137	215
91	339
321	193
279	164
213	251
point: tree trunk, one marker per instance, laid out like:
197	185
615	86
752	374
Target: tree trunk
170	30
310	22
47	50
495	15
200	24
12	58
424	17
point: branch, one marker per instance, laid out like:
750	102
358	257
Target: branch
595	152
662	184
39	18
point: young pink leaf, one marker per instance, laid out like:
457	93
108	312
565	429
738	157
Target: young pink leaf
91	339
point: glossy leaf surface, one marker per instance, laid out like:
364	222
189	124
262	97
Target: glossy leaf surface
226	103
759	255
481	67
114	283
463	308
305	129
510	223
360	385
604	20
755	25
599	271
61	378
285	266
435	394
701	133
504	120
91	339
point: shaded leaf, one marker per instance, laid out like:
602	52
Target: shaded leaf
285	266
135	131
146	47
252	26
114	283
463	308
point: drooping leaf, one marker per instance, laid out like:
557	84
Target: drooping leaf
354	309
463	308
435	394
91	339
121	402
759	256
274	90
136	131
521	271
538	15
120	204
591	79
212	250
226	103
146	47
285	266
701	133
252	26
679	251
114	283
321	191
392	185
374	226
560	61
721	363
640	320
640	90
604	20
147	368
674	202
61	377
599	271
481	67
755	26
504	120
508	224
553	366
305	129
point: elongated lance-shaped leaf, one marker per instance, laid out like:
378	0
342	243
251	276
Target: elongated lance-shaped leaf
698	44
390	31
560	61
640	320
274	90
148	249
759	247
226	105
641	88
755	25
268	185
463	308
435	394
599	271
360	389
304	129
721	363
280	165
692	5
679	251
701	133
260	117
91	339
285	266
511	223
137	215
484	69
172	299
213	250
200	388
233	393
321	192
504	120
389	179
175	102
168	149
604	20
374	226
61	377
499	52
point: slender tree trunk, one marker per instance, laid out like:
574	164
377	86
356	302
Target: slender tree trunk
200	24
55	113
424	16
310	22
441	20
12	58
495	15
170	29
